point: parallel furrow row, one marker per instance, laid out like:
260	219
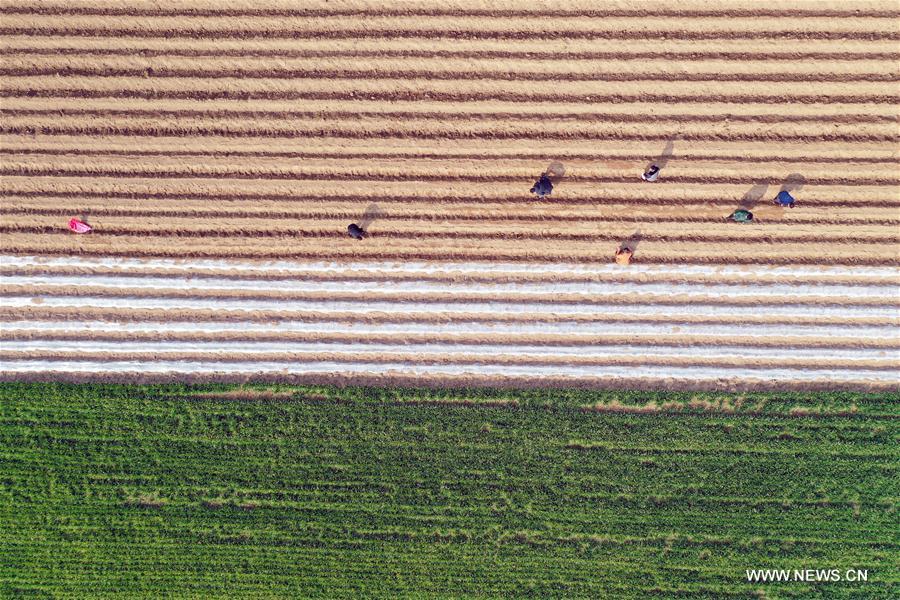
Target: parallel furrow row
464	54
295	74
59	9
220	151
285	115
419	95
101	213
585	335
448	34
831	197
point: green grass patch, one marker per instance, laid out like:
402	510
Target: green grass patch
280	491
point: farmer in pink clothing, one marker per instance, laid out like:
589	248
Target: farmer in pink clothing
78	226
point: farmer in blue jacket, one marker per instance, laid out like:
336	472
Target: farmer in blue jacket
784	198
543	187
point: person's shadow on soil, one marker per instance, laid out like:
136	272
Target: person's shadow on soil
632	241
663	159
793	183
555	172
753	196
373	212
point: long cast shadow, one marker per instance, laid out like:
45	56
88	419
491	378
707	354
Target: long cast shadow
753	196
663	159
793	183
373	212
632	241
555	172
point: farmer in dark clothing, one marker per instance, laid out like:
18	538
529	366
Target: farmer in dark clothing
741	215
543	187
652	174
355	231
784	198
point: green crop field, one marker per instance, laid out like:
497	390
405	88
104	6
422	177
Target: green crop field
275	491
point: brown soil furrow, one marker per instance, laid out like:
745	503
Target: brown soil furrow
447	34
434	68
363	339
672	253
439	297
517	196
548	150
38	313
803	11
579	174
543	116
470	359
463	54
487	132
446	231
414	95
577	171
276	154
370	18
775	224
534	218
831	210
362	107
295	74
414	49
430	90
369	174
453	274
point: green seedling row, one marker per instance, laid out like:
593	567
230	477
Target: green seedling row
277	491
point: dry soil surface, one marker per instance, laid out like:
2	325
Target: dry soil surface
220	149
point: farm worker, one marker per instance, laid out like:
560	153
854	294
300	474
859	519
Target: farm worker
652	174
79	226
784	198
543	187
355	231
741	215
623	255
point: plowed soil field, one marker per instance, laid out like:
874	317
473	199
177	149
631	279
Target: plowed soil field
220	149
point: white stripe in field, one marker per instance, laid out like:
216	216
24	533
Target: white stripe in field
691	290
129	264
374	305
793	288
433	350
573	330
599	374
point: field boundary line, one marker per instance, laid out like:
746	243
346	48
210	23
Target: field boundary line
695	300
493	54
449	116
276	174
347	74
443	380
749	364
547	340
437	34
436	96
436	156
68	10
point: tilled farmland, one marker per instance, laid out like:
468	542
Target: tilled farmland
220	151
